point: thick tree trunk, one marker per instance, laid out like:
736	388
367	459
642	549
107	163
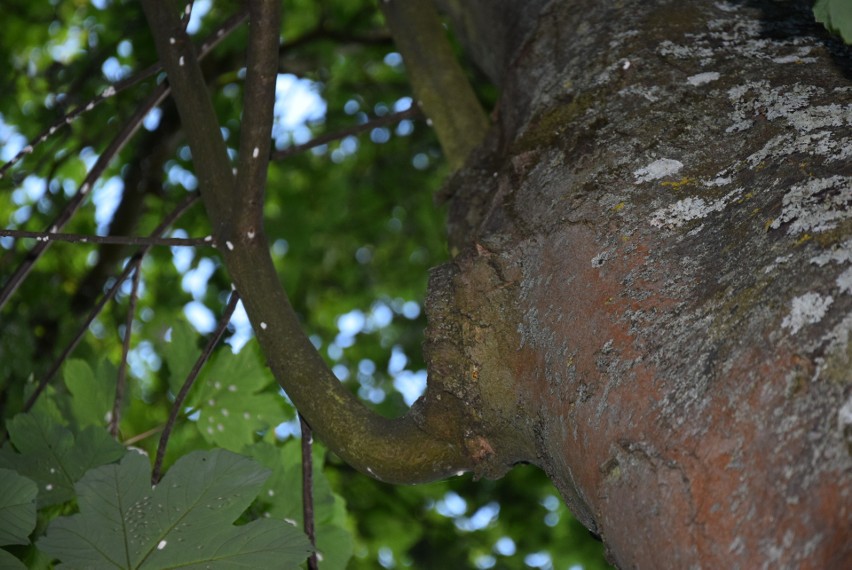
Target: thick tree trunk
652	297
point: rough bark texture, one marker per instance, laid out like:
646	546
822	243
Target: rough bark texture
652	297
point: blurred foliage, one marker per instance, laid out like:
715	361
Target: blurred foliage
836	16
354	232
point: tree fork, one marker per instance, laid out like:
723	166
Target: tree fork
392	450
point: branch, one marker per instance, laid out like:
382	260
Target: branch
438	81
110	91
409	113
116	145
120	383
394	450
258	102
130	128
308	490
187	385
45	380
112	240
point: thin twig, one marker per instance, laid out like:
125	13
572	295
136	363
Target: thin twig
110	293
308	490
112	240
121	381
116	145
187	385
410	113
144	435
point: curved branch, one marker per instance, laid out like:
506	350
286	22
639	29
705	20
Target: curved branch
393	450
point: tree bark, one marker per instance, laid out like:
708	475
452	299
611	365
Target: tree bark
651	297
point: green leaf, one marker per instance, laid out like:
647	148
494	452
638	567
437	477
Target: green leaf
185	521
9	562
836	16
17	507
282	497
53	457
180	353
91	396
232	407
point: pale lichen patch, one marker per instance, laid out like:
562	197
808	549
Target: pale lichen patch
816	206
844	281
840	254
844	415
691	208
780	260
702	78
812	125
658	169
807	309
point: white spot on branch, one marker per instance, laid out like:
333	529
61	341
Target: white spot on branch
229	245
263	325
255	153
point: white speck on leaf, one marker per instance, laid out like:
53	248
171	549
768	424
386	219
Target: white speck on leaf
808	309
161	545
657	169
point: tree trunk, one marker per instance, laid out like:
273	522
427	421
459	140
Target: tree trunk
652	292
